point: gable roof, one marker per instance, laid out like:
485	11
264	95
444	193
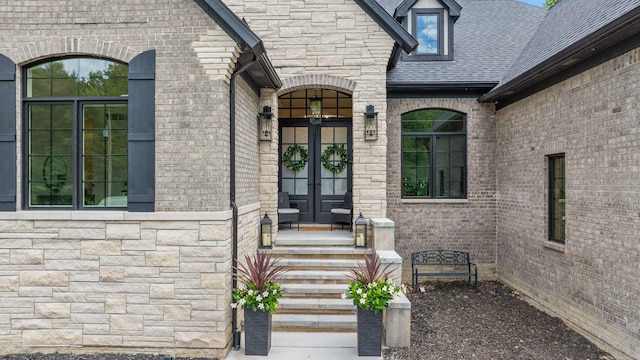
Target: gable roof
262	72
453	7
572	31
489	36
397	32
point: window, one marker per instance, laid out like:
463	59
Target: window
434	154
428	30
557	198
76	121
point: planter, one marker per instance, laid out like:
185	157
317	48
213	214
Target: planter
257	332
369	333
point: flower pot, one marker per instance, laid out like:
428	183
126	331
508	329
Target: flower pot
257	332
369	333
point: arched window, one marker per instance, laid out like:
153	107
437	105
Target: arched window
76	124
434	154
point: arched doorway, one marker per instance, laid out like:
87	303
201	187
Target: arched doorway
315	123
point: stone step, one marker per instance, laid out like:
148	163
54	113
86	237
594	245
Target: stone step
314	322
315	304
317	276
314	289
314	238
317	251
306	263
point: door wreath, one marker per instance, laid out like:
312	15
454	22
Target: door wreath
295	165
341	152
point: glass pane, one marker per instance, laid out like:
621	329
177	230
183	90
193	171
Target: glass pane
288	185
341	135
341	186
50	155
77	77
327	137
302	136
433	120
287	135
558	205
416	166
327	187
427	33
301	187
449	167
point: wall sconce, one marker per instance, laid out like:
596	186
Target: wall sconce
265	232
370	124
315	109
361	232
264	124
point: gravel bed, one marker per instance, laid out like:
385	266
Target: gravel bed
451	321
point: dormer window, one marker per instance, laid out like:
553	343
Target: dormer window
431	23
428	30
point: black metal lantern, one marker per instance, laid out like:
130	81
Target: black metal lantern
264	124
361	232
370	124
315	110
265	232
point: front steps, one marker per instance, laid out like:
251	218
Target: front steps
318	264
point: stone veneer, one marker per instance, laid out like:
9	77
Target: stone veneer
592	281
464	225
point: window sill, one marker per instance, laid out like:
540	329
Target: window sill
434	201
556	246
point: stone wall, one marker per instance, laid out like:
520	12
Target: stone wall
592	280
330	44
465	224
119	282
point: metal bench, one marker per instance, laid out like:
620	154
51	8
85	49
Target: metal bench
442	263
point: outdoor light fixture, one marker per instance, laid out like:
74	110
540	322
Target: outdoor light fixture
370	124
265	232
264	124
315	110
361	232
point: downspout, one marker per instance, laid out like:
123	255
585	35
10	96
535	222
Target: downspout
232	194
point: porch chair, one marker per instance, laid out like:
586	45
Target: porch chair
286	213
343	214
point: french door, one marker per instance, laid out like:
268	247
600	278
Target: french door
315	188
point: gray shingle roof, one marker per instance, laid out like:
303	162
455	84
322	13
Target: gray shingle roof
488	37
567	23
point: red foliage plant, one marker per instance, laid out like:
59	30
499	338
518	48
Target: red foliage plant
260	271
371	270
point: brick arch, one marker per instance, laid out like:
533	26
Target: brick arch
72	46
317	81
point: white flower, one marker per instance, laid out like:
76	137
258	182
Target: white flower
261	306
362	301
384	288
242	302
359	291
250	292
234	305
343	295
370	285
364	296
259	297
265	294
275	291
241	286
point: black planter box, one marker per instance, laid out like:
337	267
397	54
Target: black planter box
369	333
257	332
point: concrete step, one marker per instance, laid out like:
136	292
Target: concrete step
313	238
314	322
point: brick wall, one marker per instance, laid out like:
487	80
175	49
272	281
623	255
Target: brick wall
194	59
465	225
592	281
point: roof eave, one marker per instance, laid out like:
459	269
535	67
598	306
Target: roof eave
398	33
601	40
248	41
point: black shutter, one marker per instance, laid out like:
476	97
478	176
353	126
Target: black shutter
141	136
7	134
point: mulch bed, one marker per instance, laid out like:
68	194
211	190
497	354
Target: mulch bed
450	321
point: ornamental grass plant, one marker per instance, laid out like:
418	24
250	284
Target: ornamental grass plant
370	287
257	288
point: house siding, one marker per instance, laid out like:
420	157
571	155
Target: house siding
592	281
464	225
